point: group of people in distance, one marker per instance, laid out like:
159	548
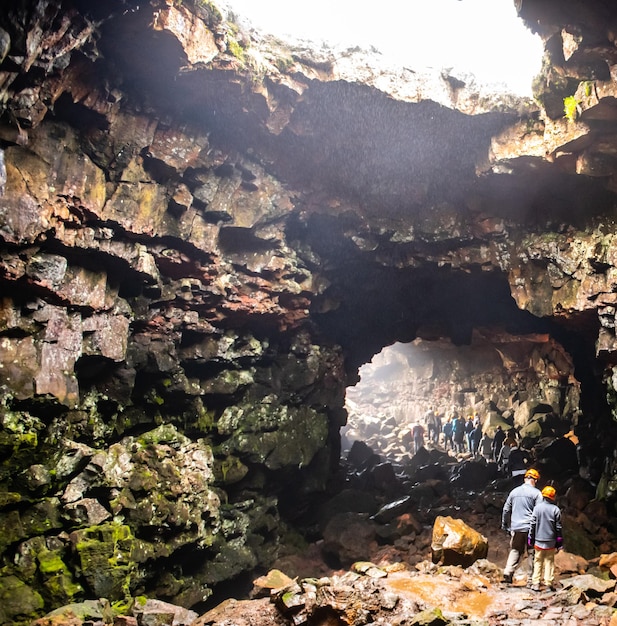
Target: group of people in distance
459	434
529	515
533	521
466	436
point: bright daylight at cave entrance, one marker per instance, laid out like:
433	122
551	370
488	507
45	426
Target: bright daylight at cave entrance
482	38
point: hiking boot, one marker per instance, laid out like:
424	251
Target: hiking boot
535	587
507	578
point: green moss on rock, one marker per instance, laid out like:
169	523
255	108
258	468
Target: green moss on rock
57	579
577	540
275	435
18	601
106	560
9	497
165	433
12	529
229	470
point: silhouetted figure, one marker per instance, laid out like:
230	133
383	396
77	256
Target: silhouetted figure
431	424
417	432
504	456
518	461
486	447
498	442
438	428
468	430
447	434
459	433
475	437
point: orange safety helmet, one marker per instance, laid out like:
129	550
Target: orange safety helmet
549	492
532	473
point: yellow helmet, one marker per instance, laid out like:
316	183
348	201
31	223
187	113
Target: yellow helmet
532	473
549	492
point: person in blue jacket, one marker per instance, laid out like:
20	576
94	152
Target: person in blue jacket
447	435
546	537
516	519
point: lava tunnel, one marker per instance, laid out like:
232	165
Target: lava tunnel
235	271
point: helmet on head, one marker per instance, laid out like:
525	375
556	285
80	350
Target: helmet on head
532	473
549	492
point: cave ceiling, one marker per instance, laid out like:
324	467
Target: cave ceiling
424	166
388	169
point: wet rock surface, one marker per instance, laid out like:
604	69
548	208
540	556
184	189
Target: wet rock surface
385	592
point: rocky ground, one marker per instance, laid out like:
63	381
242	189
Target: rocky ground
373	557
392	593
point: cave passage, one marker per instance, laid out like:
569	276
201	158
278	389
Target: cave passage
525	382
456	341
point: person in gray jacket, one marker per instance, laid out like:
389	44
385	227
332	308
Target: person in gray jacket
516	519
546	537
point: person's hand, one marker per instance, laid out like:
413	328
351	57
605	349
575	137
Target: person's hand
559	543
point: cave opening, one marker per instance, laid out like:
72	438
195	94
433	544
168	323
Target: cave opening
457	342
408	39
521	382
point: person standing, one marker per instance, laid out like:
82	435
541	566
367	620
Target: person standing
509	443
438	421
468	430
458	429
516	519
430	420
475	437
447	434
518	461
417	432
486	447
546	538
498	442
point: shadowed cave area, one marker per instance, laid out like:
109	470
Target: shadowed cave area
235	272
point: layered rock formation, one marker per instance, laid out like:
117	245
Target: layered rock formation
204	234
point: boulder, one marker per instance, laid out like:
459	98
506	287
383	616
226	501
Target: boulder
456	543
347	501
558	458
568	563
360	454
589	584
17	600
473	475
579	494
393	509
155	612
608	562
429	617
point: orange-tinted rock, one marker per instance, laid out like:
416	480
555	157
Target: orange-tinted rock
456	543
568	563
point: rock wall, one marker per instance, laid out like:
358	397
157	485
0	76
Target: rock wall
203	235
160	380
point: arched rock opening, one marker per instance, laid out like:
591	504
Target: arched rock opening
524	382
